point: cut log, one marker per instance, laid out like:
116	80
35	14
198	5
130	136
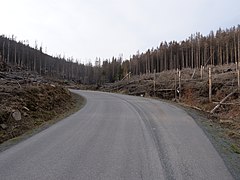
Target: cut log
160	90
17	115
222	101
227	103
25	108
127	76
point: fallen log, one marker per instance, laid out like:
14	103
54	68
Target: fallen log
222	101
227	103
160	90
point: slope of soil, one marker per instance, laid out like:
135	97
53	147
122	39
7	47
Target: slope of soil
28	101
23	109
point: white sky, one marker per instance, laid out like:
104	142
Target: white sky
86	29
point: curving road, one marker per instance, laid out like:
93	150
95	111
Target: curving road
117	137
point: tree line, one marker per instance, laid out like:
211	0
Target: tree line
221	47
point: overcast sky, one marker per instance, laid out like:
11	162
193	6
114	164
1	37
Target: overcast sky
86	29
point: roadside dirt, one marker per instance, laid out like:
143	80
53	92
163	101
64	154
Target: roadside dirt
23	109
29	102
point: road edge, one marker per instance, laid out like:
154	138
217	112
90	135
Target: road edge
214	133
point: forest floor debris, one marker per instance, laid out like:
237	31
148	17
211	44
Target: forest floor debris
28	101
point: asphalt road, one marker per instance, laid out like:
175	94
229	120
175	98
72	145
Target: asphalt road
117	137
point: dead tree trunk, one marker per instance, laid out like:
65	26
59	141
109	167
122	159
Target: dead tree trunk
210	85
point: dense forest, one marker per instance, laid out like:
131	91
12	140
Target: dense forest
221	47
